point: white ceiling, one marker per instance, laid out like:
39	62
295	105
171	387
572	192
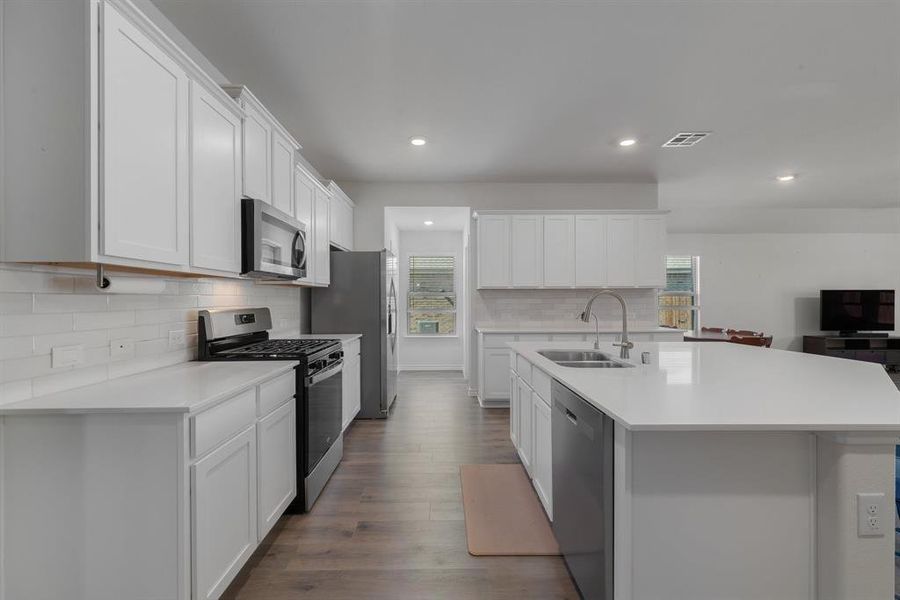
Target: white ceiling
540	91
412	218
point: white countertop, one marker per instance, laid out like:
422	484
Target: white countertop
187	387
341	337
564	328
701	386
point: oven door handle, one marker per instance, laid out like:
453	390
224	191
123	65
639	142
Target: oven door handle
323	375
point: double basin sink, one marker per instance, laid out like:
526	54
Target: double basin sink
584	359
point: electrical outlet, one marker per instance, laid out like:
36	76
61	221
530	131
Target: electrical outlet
66	356
121	349
176	339
870	515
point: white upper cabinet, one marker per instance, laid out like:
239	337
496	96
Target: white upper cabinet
145	203
215	183
528	251
620	251
257	155
559	251
282	173
304	208
590	250
321	251
651	251
493	251
268	153
341	223
563	250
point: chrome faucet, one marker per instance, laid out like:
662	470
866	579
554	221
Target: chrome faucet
625	345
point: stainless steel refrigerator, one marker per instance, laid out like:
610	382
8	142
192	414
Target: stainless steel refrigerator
362	298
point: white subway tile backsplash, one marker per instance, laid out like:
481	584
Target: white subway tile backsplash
42	307
62	303
34	324
43	344
103	320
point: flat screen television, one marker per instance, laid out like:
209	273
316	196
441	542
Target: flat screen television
850	311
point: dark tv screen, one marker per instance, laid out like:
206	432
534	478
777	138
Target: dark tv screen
857	310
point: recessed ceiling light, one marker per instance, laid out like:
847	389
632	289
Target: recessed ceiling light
627	142
786	178
429	223
418	141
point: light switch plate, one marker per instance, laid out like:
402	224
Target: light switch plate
121	349
176	339
871	516
66	356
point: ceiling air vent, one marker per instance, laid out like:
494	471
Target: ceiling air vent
686	139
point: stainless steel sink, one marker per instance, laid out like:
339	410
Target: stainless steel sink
574	355
584	359
593	364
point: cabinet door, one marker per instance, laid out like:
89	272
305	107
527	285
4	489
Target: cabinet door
527	251
276	443
350	389
493	251
543	458
257	155
514	409
590	250
651	251
321	254
620	251
559	250
348	226
496	365
223	513
336	222
145	201
304	208
526	431
215	184
282	173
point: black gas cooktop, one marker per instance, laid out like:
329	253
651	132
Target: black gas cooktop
287	349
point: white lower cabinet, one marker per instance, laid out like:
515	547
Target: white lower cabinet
351	383
542	461
526	434
276	442
223	512
514	408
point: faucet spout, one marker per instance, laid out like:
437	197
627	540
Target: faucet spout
625	345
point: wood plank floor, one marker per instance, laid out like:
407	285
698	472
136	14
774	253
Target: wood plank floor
390	522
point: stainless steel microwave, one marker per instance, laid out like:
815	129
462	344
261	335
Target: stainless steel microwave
273	244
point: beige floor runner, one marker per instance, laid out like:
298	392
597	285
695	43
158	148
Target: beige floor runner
503	514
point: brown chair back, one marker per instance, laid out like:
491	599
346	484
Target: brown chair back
752	340
713	329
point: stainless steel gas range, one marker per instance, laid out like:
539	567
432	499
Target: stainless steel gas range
243	334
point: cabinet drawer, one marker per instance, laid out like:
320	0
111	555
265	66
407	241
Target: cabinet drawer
498	340
523	369
275	392
214	426
540	381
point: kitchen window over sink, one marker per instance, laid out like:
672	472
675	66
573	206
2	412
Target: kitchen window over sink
431	299
679	302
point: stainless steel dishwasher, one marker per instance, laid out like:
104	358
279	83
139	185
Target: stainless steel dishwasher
583	491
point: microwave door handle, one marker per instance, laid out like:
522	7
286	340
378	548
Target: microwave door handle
299	246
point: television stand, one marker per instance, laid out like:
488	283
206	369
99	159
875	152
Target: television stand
857	334
878	348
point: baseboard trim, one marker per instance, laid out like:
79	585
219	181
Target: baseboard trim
431	368
493	403
472	392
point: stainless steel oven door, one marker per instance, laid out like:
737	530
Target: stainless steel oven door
324	414
273	244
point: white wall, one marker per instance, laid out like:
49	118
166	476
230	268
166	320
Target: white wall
439	352
372	198
771	281
44	307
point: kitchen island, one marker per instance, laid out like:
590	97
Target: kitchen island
734	470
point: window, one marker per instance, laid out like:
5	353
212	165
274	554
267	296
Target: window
679	305
431	299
